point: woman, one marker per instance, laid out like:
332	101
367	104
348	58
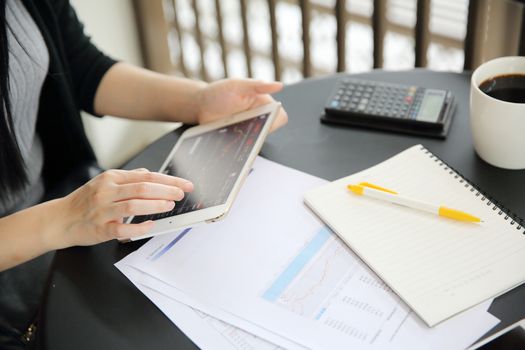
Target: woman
49	71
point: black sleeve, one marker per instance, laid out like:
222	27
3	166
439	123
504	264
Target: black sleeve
87	63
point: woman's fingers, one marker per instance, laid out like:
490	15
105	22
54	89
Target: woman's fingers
258	86
268	87
282	117
148	190
136	207
121	231
280	121
133	176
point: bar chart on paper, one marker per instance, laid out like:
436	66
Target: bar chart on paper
323	282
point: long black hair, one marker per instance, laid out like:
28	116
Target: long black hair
13	175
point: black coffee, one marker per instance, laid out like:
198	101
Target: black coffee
508	87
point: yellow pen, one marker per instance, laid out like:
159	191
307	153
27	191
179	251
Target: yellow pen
377	192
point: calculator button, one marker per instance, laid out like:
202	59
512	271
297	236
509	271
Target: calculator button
334	104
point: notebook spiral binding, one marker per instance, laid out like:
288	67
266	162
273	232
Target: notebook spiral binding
514	218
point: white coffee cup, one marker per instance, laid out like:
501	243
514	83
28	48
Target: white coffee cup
498	127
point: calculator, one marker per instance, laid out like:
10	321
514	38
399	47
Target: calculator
393	107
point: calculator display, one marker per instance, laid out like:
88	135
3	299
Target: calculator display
431	106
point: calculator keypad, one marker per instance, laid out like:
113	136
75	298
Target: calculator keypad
377	99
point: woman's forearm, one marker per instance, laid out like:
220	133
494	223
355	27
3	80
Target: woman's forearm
30	233
136	93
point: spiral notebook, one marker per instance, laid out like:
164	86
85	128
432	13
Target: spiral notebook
438	266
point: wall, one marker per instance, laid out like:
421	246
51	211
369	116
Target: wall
111	24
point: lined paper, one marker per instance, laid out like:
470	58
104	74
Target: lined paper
438	266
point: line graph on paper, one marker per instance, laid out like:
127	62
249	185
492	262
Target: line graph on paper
325	282
317	281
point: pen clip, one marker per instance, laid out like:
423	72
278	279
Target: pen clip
358	189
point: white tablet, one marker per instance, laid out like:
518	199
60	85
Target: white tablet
216	157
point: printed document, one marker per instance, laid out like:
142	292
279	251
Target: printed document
271	264
212	333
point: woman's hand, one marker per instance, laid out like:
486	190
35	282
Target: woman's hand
226	97
94	212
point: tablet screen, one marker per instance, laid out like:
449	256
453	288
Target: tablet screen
212	161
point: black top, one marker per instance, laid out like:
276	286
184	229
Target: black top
76	67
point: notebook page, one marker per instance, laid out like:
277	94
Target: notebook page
438	266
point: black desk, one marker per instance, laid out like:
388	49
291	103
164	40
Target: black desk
91	305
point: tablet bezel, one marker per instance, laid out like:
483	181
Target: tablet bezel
217	212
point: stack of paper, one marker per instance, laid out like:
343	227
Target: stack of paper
270	275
